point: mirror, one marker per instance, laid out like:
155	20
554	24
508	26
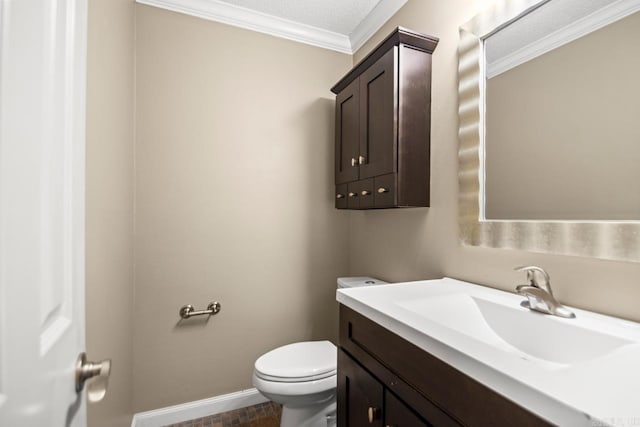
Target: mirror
549	148
562	102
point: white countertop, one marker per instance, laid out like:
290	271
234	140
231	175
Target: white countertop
598	389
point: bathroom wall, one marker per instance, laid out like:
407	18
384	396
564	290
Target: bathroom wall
109	203
234	202
233	188
412	244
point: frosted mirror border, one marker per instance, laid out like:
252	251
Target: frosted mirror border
607	239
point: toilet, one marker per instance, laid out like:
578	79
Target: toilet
302	376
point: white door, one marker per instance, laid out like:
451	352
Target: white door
42	134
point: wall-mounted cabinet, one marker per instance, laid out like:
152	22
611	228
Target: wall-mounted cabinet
383	121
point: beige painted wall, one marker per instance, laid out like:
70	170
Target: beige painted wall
423	243
233	183
562	131
109	203
234	187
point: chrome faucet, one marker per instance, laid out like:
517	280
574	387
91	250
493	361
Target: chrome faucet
539	295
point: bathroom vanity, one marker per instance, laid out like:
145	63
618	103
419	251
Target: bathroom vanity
450	353
407	386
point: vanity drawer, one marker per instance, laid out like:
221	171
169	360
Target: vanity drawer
365	190
436	390
353	199
360	194
385	191
341	196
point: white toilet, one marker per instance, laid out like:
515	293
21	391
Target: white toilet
302	376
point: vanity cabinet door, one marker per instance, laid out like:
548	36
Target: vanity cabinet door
397	414
341	196
347	133
360	395
378	87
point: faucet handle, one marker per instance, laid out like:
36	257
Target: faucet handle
543	281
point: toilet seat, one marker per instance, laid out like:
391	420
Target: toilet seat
298	362
296	379
299	388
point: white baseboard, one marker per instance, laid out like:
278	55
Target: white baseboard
198	409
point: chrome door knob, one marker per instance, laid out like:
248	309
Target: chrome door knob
361	160
365	192
86	370
352	194
354	162
339	196
382	190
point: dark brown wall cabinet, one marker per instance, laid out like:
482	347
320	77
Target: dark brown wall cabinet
383	112
384	380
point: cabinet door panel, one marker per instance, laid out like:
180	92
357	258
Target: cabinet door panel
414	108
347	133
397	414
358	394
378	123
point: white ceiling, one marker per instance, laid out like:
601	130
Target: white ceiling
339	16
342	25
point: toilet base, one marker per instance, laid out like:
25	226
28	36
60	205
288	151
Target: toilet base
318	415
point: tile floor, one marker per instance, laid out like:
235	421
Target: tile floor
261	415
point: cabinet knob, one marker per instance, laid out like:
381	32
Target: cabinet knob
373	413
352	194
339	196
365	192
382	190
354	162
361	160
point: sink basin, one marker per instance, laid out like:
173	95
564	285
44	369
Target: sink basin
570	372
527	334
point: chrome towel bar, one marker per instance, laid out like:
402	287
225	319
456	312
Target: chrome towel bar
188	311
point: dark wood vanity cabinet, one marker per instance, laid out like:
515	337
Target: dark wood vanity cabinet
384	380
383	109
363	394
365	402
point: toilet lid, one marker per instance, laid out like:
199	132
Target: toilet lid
301	361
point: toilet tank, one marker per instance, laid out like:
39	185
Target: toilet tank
355	282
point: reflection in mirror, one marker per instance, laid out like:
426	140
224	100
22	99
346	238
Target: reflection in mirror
562	114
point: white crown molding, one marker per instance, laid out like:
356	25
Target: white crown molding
577	29
373	22
215	10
